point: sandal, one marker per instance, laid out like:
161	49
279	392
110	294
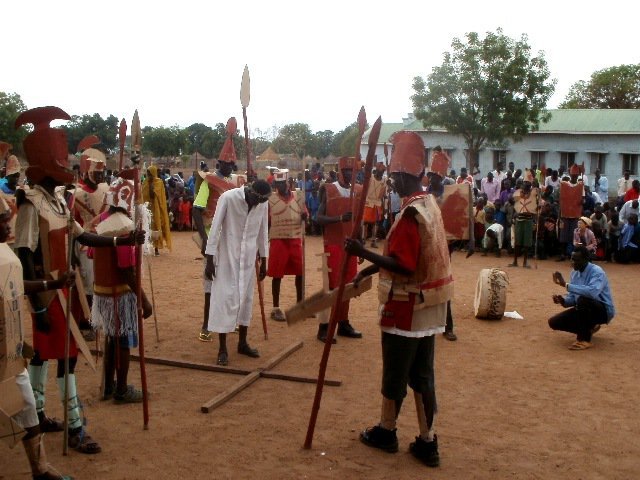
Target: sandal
132	395
580	345
205	336
223	359
81	441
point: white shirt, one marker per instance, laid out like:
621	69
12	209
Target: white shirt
627	210
623	186
602	189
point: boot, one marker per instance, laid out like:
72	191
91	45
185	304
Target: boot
345	329
38	378
34	447
323	329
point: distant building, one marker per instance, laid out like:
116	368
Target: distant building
604	139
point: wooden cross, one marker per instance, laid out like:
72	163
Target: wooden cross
250	375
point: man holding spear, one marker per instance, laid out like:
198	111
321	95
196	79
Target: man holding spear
414	287
41	234
335	214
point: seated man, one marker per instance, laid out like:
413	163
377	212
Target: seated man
588	301
492	240
629	243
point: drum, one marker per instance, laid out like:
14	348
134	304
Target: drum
491	294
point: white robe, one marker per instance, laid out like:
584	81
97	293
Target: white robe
235	236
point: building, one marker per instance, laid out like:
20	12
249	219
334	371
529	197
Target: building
604	139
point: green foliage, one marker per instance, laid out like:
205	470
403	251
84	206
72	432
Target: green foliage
164	141
613	87
82	126
294	138
11	105
344	142
322	145
487	90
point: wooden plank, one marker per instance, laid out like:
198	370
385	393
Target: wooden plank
230	393
236	371
282	355
295	378
322	300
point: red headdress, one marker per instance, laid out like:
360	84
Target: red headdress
407	154
440	163
228	152
46	148
576	169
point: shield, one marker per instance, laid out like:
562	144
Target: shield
455	207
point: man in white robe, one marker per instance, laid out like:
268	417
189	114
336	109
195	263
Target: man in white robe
239	230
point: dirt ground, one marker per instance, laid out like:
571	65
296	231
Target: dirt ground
514	401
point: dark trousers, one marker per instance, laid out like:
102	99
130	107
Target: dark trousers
581	318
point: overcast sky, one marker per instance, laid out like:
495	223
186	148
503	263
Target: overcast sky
181	62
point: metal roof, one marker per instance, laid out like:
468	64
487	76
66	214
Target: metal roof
598	121
567	121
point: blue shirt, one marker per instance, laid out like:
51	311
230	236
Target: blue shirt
591	283
4	186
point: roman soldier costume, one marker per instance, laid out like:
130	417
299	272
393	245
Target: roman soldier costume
337	203
43	226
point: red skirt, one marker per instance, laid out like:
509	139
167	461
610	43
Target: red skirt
50	345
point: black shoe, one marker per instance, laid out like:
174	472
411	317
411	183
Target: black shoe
449	335
426	452
346	330
323	328
378	437
245	349
49	424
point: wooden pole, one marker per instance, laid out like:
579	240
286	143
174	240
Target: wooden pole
373	140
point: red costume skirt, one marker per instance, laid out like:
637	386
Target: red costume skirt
50	345
334	263
372	214
285	257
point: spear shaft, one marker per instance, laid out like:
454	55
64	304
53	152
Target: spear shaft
373	140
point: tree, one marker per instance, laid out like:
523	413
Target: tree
163	141
613	87
344	142
322	144
294	138
11	105
486	90
196	134
81	126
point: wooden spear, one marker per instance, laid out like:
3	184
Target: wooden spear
373	141
138	223
245	97
122	135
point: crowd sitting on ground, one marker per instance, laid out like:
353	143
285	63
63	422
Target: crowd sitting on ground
607	227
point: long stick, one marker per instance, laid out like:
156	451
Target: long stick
535	247
143	372
304	229
67	337
373	140
261	299
153	301
122	132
